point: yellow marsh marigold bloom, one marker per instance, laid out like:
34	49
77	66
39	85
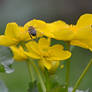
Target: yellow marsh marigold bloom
79	34
18	53
58	29
83	33
48	56
13	35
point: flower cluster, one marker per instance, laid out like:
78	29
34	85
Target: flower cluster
20	39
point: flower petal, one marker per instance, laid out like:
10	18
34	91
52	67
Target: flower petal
6	41
55	65
32	54
41	27
38	25
22	34
61	30
50	65
79	43
84	20
44	43
33	46
45	63
18	53
56	52
84	33
11	30
64	34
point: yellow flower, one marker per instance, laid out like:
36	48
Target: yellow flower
18	53
48	56
79	34
58	29
13	35
83	34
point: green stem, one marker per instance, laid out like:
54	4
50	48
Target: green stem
82	75
67	68
30	69
39	76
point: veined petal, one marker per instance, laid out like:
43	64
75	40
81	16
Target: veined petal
44	43
18	53
56	52
84	20
6	41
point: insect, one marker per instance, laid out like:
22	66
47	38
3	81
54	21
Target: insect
32	31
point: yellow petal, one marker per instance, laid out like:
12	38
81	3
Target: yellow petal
22	34
58	29
32	45
61	30
44	43
55	65
6	41
11	30
46	64
37	24
84	33
56	52
50	65
18	53
79	43
33	50
64	34
32	54
84	20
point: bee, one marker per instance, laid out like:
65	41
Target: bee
32	31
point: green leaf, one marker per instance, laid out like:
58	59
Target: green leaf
2	68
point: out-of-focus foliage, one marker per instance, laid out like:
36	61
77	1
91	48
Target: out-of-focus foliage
78	62
3	88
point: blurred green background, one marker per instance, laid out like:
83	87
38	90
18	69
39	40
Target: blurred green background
21	11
